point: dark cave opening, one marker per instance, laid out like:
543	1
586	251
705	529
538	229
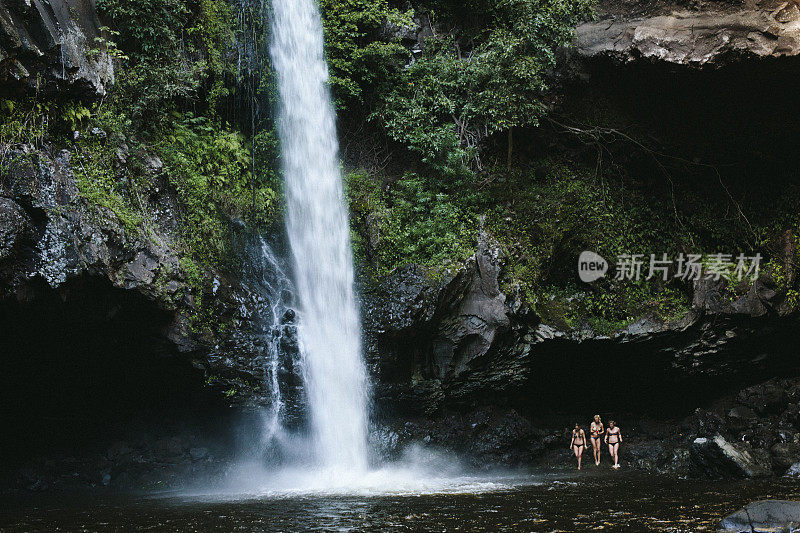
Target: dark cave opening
731	116
89	364
665	377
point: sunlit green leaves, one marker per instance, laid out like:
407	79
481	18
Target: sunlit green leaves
363	61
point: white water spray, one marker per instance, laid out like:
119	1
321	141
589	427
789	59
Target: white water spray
319	235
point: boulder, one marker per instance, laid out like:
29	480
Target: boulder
785	454
762	517
766	398
718	458
794	471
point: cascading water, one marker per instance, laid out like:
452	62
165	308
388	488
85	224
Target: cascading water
333	455
276	284
319	236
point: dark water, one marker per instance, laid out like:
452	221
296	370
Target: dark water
612	502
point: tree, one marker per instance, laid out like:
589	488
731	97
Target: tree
476	81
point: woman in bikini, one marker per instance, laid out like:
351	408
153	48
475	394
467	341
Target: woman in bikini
613	439
578	443
596	430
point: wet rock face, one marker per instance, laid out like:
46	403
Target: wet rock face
15	226
432	336
456	343
68	236
487	437
707	33
45	45
481	314
59	246
763	516
457	340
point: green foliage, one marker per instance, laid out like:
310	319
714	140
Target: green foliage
413	223
25	121
421	111
487	79
362	64
156	74
608	307
215	28
173	56
75	115
543	218
210	167
545	221
97	181
168	49
105	45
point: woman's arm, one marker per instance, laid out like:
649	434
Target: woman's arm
619	434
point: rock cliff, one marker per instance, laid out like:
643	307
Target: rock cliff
466	363
54	47
696	34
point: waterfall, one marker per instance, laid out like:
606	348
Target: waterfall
319	237
275	281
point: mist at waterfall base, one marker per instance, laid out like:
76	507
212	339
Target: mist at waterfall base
330	452
275	455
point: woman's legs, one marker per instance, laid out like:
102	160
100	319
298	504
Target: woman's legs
596	449
578	454
616	454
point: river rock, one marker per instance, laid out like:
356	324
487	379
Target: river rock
794	471
762	517
785	454
718	458
766	398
